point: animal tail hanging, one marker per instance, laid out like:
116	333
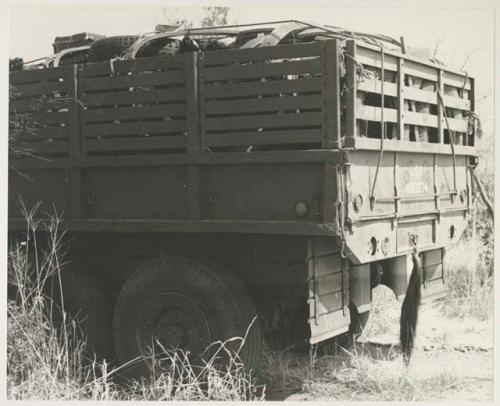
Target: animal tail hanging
409	311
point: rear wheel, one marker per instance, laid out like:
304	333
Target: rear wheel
175	303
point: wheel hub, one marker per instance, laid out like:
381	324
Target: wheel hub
171	321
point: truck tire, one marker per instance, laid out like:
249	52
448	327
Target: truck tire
185	305
110	47
85	300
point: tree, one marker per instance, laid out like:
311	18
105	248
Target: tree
215	16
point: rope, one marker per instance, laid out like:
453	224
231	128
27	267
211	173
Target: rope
382	135
452	139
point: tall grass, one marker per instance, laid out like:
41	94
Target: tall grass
46	361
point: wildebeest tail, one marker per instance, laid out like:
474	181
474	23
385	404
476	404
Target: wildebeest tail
409	311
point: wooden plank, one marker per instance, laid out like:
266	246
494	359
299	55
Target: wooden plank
130	113
421	71
159	63
41	88
440	113
350	97
331	95
261	54
260	70
368	57
138	96
371	113
457	80
232	90
135	128
401	94
39	75
46	133
409	146
74	197
263	104
139	143
135	80
264	121
412	93
44	118
202	100
265	138
362	44
192	107
44	147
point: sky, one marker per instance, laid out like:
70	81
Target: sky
465	36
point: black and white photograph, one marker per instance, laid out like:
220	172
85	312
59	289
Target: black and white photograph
249	201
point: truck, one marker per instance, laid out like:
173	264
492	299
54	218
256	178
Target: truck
258	191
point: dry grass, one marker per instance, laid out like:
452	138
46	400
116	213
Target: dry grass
49	363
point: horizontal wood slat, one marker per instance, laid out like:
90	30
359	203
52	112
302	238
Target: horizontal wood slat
136	128
129	113
35	148
263	104
232	90
265	138
39	75
134	97
371	113
139	79
142	143
411	93
264	121
42	88
46	133
260	70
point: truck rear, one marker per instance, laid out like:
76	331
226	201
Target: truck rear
284	182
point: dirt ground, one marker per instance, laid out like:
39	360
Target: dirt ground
452	361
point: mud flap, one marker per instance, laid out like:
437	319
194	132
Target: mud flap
434	284
328	300
433	275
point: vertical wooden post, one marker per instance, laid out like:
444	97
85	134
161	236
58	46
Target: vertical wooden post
193	134
331	95
401	99
75	147
351	76
440	112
